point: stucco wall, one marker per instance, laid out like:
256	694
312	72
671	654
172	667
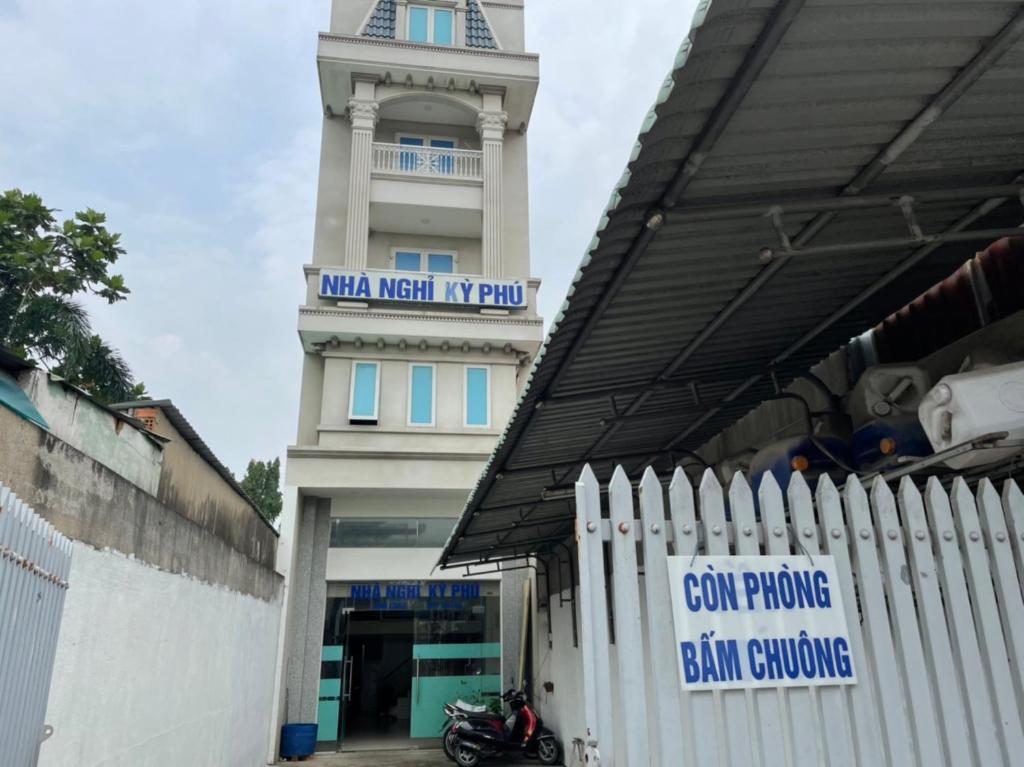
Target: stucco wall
155	668
95	431
394	392
468	257
506	20
559	664
332	192
347	16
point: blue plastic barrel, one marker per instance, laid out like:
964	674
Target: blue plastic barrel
298	740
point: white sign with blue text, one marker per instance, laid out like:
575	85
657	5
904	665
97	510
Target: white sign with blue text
751	621
421	288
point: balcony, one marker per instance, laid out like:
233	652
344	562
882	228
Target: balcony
428	162
426	190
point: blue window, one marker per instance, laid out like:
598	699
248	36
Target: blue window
431	25
442	162
478	396
419	261
440	263
407	261
442	27
365	392
421	395
408	161
418	24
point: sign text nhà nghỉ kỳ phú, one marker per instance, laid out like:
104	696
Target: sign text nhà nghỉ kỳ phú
427	595
751	621
421	287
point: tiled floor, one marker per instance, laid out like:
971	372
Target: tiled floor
414	758
406	758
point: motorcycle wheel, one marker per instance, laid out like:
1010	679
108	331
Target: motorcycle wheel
466	756
450	741
547	751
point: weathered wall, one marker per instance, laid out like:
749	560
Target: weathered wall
561	665
193	488
155	668
90	503
93	430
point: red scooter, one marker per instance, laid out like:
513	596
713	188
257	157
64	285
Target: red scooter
474	739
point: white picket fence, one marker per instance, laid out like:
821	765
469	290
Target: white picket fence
932	589
34	564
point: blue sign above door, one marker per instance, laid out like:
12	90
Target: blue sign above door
415	595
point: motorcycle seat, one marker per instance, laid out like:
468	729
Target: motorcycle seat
478	712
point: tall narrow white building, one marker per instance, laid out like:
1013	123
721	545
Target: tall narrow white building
418	326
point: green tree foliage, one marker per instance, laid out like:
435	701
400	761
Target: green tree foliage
43	266
262	483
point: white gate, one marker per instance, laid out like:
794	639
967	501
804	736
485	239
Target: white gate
932	590
34	564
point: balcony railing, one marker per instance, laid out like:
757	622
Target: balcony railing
434	162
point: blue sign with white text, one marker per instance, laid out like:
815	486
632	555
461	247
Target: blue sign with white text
427	595
423	288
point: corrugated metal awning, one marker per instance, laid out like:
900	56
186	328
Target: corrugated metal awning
809	167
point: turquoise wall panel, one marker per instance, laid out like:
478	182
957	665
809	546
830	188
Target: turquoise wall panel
456	651
327	716
429	694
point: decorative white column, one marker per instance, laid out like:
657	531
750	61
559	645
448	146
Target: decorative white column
362	112
491	125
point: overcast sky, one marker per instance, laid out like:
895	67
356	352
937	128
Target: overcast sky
194	125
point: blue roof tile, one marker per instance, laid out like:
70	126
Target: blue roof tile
382	20
478	34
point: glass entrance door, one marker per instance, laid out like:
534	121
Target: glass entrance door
335	676
450	672
396	652
332	679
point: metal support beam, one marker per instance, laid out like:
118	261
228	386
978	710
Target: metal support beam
760	209
905	243
520	526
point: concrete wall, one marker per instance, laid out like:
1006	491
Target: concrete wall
193	488
558	663
158	669
92	504
95	431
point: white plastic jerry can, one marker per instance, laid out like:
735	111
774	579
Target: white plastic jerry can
965	406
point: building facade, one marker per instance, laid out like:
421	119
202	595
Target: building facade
418	327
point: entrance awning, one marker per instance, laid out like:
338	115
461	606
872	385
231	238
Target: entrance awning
807	170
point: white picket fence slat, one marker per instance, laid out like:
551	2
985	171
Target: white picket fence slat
659	647
932	589
35	561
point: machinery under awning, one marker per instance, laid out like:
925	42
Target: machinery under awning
808	169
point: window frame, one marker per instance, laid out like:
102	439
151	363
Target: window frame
426	138
431	10
433	396
423	253
362	420
465	397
